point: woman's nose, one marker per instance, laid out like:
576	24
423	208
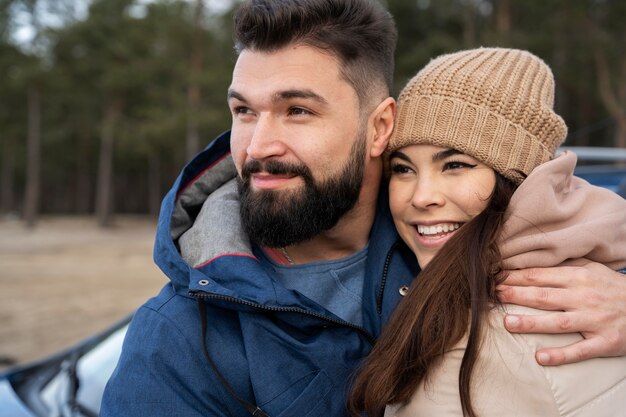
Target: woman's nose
427	193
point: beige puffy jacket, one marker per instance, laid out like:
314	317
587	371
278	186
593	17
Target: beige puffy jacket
553	217
508	382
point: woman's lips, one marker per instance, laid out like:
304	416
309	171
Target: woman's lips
435	235
437	229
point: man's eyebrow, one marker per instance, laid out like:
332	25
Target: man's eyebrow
304	94
234	94
440	156
283	95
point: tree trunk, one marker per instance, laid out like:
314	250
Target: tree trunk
7	181
33	158
559	60
104	192
193	91
469	25
613	92
83	183
154	183
503	19
192	141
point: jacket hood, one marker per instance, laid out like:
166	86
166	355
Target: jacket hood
204	196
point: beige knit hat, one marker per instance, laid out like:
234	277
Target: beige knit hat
494	104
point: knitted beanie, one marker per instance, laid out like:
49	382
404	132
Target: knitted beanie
493	104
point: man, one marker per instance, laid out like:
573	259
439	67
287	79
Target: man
283	259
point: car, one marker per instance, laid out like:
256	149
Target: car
71	383
66	384
605	167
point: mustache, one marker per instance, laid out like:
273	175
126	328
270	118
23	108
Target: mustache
274	167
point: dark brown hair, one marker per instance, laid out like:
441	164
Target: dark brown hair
360	33
449	296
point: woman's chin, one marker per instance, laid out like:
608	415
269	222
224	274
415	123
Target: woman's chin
424	259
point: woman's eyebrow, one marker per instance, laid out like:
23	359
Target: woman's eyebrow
399	155
439	156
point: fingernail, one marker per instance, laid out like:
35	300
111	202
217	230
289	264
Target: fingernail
512	321
543	358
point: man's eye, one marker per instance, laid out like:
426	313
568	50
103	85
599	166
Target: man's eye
241	110
298	111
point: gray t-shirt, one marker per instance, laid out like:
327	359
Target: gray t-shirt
336	285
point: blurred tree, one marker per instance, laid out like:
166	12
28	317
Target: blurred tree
34	76
128	91
159	120
503	19
193	88
30	74
582	41
108	26
33	160
12	120
130	80
427	29
606	25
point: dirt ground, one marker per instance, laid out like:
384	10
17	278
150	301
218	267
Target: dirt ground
68	279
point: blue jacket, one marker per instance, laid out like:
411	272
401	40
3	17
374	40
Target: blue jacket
274	347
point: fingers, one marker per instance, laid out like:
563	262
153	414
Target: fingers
604	334
526	277
558	276
589	299
546	323
594	346
558	288
576	352
543	298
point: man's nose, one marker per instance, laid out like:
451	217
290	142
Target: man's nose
267	138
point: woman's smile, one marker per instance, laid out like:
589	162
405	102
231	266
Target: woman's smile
435	235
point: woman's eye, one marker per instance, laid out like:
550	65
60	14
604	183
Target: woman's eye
400	169
457	165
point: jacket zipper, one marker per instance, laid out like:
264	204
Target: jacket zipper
383	282
205	295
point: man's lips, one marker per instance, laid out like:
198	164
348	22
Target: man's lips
265	181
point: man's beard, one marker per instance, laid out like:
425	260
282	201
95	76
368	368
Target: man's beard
282	218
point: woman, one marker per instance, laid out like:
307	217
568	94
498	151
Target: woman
471	127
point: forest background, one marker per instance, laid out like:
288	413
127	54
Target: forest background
103	101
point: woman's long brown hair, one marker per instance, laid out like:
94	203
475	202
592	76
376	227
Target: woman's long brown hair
450	295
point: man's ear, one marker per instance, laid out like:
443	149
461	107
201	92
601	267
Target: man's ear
382	120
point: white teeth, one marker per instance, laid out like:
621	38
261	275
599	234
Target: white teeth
433	230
